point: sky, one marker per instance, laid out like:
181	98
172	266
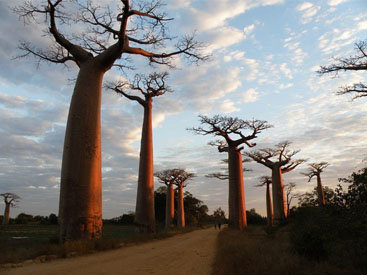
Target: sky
264	58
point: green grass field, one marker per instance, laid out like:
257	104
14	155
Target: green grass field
20	242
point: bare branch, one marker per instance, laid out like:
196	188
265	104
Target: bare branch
227	127
103	26
10	199
149	86
183	177
219	176
264	180
280	156
357	89
168	176
357	62
315	169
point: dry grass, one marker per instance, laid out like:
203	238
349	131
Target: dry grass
256	252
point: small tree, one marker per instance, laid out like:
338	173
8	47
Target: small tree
181	182
266	180
107	35
279	160
195	209
312	198
168	177
148	87
315	170
10	200
228	128
289	195
358	62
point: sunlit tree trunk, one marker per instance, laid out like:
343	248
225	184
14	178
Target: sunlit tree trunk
236	198
144	213
320	191
6	214
279	202
180	208
269	206
80	206
170	205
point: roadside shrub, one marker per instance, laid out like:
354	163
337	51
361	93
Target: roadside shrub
330	233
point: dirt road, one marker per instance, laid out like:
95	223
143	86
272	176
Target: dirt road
190	253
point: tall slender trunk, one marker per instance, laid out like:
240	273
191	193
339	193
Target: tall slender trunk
170	205
6	214
269	206
80	208
236	196
180	208
320	191
144	213
279	202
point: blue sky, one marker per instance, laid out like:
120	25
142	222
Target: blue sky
264	57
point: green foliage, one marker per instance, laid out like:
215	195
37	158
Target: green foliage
338	231
255	218
125	219
195	210
160	205
311	198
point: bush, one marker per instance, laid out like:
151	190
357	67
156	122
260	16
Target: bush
255	218
330	233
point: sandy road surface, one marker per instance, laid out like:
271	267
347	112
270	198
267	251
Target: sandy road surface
190	253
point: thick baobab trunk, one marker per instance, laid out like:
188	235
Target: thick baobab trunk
320	191
180	208
279	202
269	206
6	214
236	196
144	213
80	209
170	205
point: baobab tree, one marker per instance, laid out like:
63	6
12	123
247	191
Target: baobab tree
357	62
181	182
10	200
168	177
228	128
266	180
315	170
107	36
279	160
148	87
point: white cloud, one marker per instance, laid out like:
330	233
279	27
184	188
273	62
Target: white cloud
296	53
308	11
251	95
222	37
335	2
304	6
285	86
248	30
227	106
286	71
362	25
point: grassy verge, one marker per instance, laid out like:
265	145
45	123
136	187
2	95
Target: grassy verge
256	252
22	242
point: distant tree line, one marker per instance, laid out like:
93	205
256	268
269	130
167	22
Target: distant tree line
24	218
